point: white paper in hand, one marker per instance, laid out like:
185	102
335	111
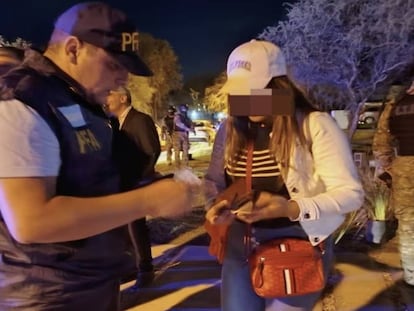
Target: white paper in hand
187	176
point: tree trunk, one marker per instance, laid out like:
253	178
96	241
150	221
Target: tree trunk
354	120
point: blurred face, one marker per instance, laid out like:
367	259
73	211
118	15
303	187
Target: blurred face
258	118
116	103
99	73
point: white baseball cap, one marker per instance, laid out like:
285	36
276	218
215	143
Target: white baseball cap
251	66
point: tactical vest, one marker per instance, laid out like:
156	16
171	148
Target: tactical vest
401	125
185	120
87	170
169	123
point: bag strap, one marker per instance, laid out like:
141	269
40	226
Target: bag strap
247	240
249	165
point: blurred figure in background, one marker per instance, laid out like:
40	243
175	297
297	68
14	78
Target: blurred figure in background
393	149
181	144
167	131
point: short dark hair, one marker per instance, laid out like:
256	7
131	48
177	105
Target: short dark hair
171	109
12	52
10	56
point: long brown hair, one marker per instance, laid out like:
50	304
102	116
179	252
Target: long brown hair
286	130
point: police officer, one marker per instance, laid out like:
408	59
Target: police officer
394	151
181	144
62	213
167	132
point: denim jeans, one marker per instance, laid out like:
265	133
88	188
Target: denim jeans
236	290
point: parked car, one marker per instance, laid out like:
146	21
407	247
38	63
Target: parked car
204	132
370	113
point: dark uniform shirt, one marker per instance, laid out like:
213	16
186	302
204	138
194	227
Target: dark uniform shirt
61	276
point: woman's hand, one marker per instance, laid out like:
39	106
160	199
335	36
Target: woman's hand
269	206
220	213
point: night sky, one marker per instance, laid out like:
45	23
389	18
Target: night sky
201	32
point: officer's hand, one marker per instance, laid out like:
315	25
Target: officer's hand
171	198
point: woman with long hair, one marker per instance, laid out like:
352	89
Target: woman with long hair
301	169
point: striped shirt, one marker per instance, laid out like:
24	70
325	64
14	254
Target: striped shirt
266	174
263	165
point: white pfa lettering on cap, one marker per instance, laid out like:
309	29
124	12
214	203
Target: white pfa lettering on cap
130	41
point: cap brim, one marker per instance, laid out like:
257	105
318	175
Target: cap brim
242	86
133	63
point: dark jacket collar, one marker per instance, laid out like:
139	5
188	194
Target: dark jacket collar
47	67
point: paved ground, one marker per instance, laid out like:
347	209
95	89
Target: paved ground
365	277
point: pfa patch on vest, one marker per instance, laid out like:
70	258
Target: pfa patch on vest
74	115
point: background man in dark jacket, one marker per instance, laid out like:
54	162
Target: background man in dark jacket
138	151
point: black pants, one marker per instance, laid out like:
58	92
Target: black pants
141	241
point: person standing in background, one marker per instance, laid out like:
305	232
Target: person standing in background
139	149
393	150
181	144
167	131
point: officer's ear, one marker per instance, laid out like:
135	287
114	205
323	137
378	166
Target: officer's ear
72	47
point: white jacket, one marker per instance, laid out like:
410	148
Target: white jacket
322	177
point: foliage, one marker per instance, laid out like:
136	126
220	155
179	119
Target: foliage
18	42
342	52
376	205
150	94
214	100
181	96
354	222
142	93
377	197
